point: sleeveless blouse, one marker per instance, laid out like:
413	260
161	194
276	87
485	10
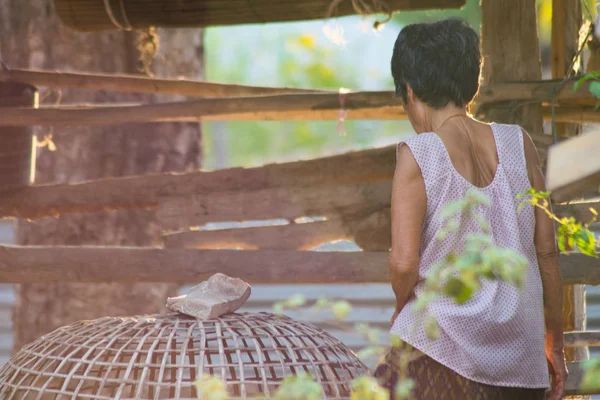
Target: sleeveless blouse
497	337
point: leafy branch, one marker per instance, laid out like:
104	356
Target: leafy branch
571	234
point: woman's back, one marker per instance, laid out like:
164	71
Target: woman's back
497	337
472	149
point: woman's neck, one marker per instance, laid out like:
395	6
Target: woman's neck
440	116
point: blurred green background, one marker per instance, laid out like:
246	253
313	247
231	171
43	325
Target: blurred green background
302	55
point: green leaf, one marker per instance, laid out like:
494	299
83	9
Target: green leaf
211	388
595	88
457	290
404	388
299	387
295	301
367	388
591	378
586	243
370	352
396	341
451	209
341	309
432	329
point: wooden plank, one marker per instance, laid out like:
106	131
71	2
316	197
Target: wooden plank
142	84
195	109
299	236
582	339
566	24
288	202
542	90
577	268
580	210
30	264
575	114
309	106
574	167
576	374
135	264
144	191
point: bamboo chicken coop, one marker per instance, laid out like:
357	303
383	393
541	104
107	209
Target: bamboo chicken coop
161	356
355	201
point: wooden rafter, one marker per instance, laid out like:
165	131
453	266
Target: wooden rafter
91	15
46	264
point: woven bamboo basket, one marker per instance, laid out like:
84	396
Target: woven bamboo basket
160	357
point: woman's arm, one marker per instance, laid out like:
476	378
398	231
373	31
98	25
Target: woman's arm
548	260
409	204
547	254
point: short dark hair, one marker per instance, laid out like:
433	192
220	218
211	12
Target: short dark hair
440	61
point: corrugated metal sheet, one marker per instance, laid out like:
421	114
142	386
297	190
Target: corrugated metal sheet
7	298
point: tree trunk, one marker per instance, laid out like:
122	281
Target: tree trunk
32	37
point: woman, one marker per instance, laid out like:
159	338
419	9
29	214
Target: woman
498	345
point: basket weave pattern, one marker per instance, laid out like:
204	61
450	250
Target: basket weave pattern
160	357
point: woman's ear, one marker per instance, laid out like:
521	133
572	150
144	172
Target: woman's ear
410	94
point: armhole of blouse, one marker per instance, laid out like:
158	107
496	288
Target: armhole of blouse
398	148
523	153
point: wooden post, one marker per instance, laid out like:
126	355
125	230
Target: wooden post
510	48
17	144
566	22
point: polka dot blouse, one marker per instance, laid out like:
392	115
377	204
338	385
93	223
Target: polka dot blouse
497	337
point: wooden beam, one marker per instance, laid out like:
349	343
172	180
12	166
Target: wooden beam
575	379
198	108
93	264
566	23
582	339
91	15
294	236
577	268
531	90
542	90
580	210
311	106
286	202
135	264
576	115
145	191
574	167
142	84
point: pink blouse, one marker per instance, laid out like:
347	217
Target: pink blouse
497	337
